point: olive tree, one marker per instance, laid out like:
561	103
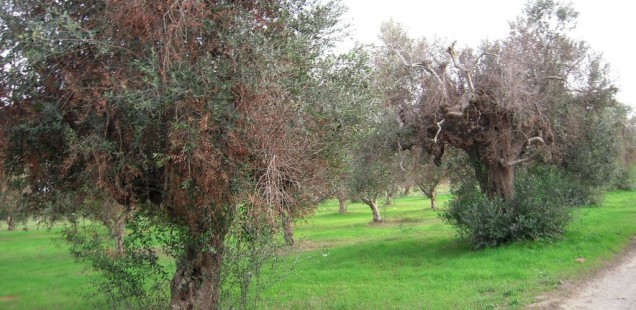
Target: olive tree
503	103
192	111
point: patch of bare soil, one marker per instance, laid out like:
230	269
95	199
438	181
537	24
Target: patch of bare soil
611	288
8	298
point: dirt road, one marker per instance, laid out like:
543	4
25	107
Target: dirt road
612	288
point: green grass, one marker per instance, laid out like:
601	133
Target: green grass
412	261
37	272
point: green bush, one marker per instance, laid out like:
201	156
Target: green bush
540	210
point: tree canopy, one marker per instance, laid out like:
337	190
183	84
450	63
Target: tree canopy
504	103
187	109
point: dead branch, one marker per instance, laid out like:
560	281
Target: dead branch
535	139
505	163
483	55
439	129
462	69
399	50
455	114
554	77
429	68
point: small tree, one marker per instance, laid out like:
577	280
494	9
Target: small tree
420	171
374	164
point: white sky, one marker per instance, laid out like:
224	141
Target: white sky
608	26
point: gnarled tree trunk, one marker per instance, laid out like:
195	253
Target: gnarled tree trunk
288	229
197	281
501	182
373	204
10	223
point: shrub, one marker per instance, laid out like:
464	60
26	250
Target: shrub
540	210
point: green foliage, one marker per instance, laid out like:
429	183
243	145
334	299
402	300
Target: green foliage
135	278
540	210
595	158
251	247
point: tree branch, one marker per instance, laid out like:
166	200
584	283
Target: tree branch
462	69
554	77
439	129
505	163
429	68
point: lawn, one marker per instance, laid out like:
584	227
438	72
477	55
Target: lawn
412	261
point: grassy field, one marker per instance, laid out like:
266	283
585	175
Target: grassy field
412	261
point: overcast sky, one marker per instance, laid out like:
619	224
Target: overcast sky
608	26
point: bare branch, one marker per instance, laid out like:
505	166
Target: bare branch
455	113
537	138
439	129
518	161
462	69
427	66
505	163
554	77
483	55
399	50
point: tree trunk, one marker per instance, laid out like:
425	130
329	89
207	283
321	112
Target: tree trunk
342	201
407	190
430	192
197	281
501	182
10	223
288	230
389	197
118	233
373	204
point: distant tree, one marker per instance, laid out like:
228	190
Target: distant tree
373	168
191	111
419	170
9	205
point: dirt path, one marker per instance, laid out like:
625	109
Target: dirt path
612	288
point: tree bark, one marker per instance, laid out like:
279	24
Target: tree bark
118	233
431	193
373	204
197	281
288	230
407	190
389	196
501	182
10	223
342	201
